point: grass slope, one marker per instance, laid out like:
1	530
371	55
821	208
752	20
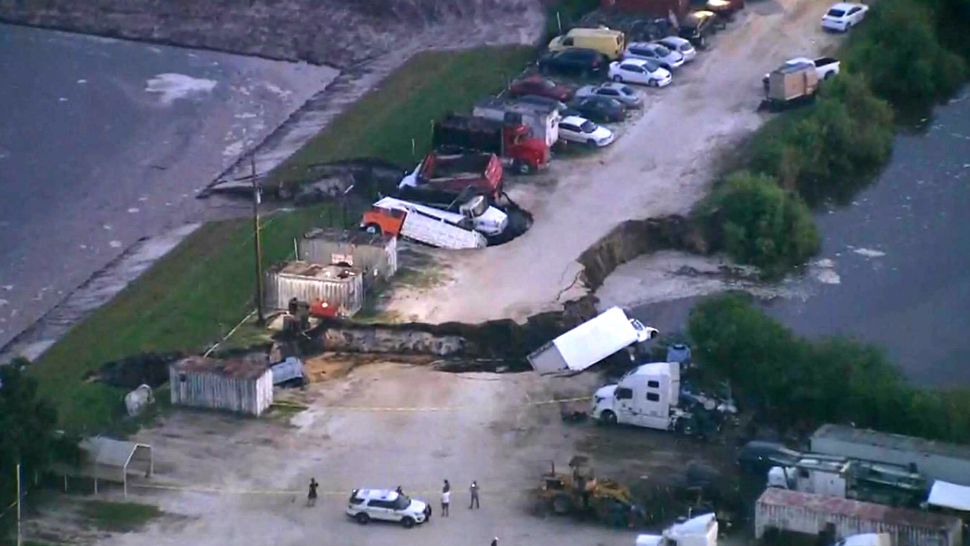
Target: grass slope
383	122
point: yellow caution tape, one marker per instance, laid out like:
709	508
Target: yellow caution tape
432	408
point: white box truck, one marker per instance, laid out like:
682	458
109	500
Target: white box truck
475	214
543	121
696	531
420	227
647	396
589	343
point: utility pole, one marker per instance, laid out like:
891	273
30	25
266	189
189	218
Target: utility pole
258	247
20	536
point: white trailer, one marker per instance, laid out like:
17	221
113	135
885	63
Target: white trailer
434	232
589	343
647	396
543	121
476	213
697	531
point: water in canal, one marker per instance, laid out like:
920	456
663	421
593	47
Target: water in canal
894	269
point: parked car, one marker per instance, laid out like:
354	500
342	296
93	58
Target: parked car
543	101
542	87
640	71
576	61
843	16
680	45
758	456
604	40
698	26
597	108
623	93
659	53
577	129
386	505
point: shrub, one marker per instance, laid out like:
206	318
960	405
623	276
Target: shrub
797	383
761	224
898	49
828	151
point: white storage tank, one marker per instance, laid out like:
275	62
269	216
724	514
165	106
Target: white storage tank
336	285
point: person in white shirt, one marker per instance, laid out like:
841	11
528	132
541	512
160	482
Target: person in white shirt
445	499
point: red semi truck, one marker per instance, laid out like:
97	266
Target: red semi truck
513	142
461	173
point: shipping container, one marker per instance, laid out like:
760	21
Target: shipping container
336	285
239	386
652	8
811	514
374	254
934	460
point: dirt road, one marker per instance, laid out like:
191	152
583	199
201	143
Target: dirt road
663	164
482	427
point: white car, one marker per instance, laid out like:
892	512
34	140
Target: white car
666	57
577	129
386	505
843	16
640	71
680	45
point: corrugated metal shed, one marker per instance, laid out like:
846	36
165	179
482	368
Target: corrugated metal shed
652	8
307	282
374	254
934	460
234	385
811	514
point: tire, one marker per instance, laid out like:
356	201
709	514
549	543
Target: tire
375	229
591	143
652	83
407	522
829	76
608	418
618	78
562	504
523	168
362	518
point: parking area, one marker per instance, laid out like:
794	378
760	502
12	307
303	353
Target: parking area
384	425
662	162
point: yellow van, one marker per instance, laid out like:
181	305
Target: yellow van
607	41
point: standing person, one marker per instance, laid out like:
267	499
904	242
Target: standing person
474	492
494	541
445	499
311	496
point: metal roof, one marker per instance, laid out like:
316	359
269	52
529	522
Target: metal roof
316	271
241	369
950	495
886	440
108	452
354	236
774	496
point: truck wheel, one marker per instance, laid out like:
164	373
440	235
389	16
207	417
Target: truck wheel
522	167
372	228
362	518
608	418
562	504
591	143
828	76
407	522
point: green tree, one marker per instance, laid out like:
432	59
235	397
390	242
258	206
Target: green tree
26	426
761	224
898	49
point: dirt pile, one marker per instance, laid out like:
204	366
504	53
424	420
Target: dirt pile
332	32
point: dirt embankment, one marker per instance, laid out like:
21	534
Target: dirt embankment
333	32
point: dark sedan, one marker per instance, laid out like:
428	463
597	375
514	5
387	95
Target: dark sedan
541	87
598	109
757	457
575	61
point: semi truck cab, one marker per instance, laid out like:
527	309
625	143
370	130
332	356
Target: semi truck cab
647	396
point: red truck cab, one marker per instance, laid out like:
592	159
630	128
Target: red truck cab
513	142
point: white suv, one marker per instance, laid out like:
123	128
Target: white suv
386	505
